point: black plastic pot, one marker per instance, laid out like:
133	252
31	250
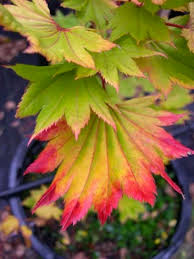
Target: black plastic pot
15	188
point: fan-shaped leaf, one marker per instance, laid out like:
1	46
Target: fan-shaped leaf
103	164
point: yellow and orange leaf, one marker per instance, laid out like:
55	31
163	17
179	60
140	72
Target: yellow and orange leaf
104	164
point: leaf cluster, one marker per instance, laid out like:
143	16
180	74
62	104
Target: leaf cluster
100	53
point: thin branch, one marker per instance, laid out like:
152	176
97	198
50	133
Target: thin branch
103	81
175	25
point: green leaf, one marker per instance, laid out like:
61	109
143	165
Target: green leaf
96	11
66	21
177	99
136	25
130	209
130	86
148	5
63	95
165	4
49	38
74	4
172	4
119	59
154	5
35	73
177	68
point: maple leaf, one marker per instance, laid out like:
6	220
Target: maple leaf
49	38
176	68
132	87
97	11
51	96
38	73
136	26
104	164
130	209
177	99
12	225
46	212
66	21
189	33
9	225
119	59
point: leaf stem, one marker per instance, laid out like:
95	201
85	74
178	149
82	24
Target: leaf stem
175	25
103	81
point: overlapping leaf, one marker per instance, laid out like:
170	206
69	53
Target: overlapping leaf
132	87
176	68
96	11
103	164
130	19
119	59
50	39
47	212
54	94
166	73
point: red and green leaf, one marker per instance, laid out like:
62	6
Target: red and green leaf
104	164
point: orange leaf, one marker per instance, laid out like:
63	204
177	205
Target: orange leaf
103	164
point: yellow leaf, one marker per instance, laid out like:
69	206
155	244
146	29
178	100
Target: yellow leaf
49	212
46	212
9	225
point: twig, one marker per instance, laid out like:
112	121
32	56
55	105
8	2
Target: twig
175	25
